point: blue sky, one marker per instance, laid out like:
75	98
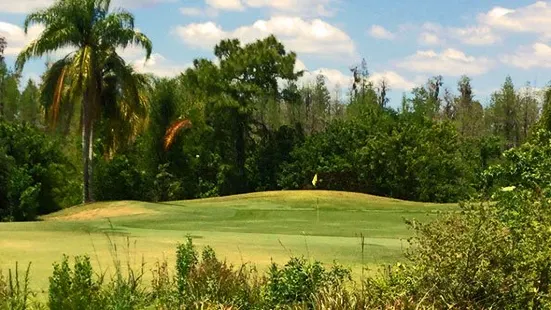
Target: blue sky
403	41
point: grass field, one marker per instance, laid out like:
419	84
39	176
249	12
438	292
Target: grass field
255	228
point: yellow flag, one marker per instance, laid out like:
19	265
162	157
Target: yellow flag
315	180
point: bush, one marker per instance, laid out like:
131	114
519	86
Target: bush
527	166
35	177
491	255
73	288
298	282
120	178
210	280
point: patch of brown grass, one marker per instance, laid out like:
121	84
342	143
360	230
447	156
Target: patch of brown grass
117	209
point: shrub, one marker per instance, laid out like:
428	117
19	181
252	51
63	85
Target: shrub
491	255
74	288
120	178
299	280
527	166
210	280
35	176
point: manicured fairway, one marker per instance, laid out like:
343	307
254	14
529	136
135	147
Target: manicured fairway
256	228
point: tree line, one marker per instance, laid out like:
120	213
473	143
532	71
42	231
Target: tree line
240	124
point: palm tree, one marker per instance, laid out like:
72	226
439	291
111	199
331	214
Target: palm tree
93	75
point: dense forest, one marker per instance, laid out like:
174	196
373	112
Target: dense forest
242	123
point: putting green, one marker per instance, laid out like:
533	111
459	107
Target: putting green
257	228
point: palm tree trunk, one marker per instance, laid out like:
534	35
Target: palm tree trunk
87	150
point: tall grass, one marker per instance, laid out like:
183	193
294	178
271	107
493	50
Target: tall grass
15	292
198	280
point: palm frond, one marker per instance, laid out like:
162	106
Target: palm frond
81	69
49	41
125	102
58	93
54	89
124	37
173	130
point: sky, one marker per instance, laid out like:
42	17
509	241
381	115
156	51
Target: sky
403	41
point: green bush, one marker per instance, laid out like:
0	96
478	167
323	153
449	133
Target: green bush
527	166
35	177
298	281
120	178
489	256
74	288
209	280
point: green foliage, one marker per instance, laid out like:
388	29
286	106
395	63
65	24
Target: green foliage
9	94
186	259
331	155
15	291
527	166
35	177
29	105
74	288
298	281
393	156
205	280
121	178
414	162
232	91
266	163
491	255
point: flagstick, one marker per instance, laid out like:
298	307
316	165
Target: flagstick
318	208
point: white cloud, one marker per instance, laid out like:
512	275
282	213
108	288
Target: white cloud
476	35
299	35
23	6
436	34
432	27
297	7
491	25
189	11
131	4
380	32
159	65
335	78
532	18
204	35
299	65
450	62
393	79
304	8
16	38
26	6
428	38
526	57
194	11
226	5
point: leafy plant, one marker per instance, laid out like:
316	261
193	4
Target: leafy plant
35	176
15	291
